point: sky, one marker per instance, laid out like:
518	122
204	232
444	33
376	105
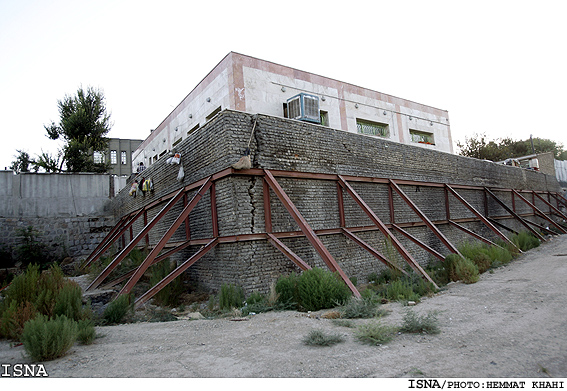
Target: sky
498	67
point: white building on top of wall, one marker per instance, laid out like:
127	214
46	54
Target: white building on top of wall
251	85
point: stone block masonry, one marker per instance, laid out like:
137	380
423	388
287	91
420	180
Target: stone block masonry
70	212
282	144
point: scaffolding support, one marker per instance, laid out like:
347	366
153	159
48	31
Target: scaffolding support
158	251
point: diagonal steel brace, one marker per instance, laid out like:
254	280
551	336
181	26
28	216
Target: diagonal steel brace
307	230
385	231
165	238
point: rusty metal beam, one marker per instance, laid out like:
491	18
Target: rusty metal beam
551	207
341	202
385	231
126	250
541	227
160	258
166	236
307	230
479	215
267	206
474	234
493	221
105	245
419	242
287	252
540	213
175	273
372	251
110	237
424	218
518	217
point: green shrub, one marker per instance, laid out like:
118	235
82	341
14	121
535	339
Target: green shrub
359	308
375	333
461	269
478	253
230	296
32	293
46	339
86	333
69	302
525	240
169	295
384	277
286	289
414	323
319	289
499	254
319	338
117	309
13	318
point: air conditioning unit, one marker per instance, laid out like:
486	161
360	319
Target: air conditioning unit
304	107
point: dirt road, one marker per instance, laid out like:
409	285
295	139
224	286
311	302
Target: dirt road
512	323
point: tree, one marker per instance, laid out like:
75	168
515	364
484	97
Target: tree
83	126
479	147
47	162
22	162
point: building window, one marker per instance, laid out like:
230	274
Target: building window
98	157
123	157
113	157
215	112
324	117
421	137
372	128
194	128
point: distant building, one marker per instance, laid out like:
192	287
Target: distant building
119	155
251	85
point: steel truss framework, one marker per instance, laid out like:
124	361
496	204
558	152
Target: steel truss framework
343	183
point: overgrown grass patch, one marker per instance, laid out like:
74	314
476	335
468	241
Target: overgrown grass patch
320	338
415	323
375	333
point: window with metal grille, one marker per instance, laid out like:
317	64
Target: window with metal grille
422	137
98	157
113	157
123	158
372	128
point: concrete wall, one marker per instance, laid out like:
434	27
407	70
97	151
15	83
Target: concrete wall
284	144
71	211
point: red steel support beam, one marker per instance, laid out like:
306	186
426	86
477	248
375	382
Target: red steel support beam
147	237
126	250
539	212
267	206
518	217
479	215
419	242
391	204
372	251
214	215
424	218
341	202
109	238
382	227
165	238
551	207
187	225
287	252
473	234
307	230
119	234
175	273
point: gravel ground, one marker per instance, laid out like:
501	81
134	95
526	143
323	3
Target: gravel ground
510	324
